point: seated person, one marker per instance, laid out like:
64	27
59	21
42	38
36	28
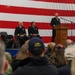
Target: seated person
20	33
33	30
69	68
68	42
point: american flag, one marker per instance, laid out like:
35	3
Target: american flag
40	11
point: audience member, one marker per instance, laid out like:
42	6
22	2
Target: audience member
33	30
20	59
38	63
20	33
22	54
50	48
60	46
68	42
57	56
9	59
69	68
3	61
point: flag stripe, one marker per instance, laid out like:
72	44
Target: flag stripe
46	39
35	11
58	1
29	18
37	4
13	24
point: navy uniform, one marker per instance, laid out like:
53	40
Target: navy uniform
33	31
20	30
54	22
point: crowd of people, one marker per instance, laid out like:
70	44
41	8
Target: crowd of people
34	58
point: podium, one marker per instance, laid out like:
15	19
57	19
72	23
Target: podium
61	34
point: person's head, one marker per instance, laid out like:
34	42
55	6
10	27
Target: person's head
24	48
58	47
3	62
50	46
33	23
70	57
68	42
22	54
20	23
56	15
57	57
9	60
36	47
8	57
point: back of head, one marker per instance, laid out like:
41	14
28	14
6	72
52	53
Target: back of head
70	57
22	54
8	57
68	42
2	51
57	57
24	47
50	46
36	46
58	48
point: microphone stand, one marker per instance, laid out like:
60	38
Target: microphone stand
67	20
70	22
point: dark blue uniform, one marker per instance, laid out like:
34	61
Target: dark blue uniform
33	30
20	30
55	22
